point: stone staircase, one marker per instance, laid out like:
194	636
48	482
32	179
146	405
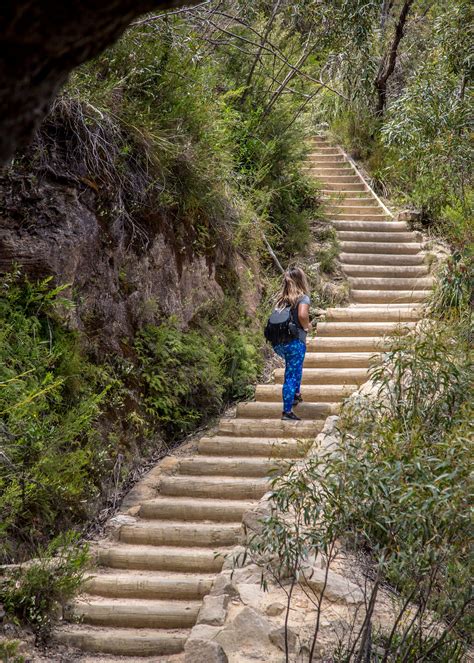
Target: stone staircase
147	592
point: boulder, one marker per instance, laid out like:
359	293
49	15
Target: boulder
275	608
338	588
213	610
204	651
249	630
277	637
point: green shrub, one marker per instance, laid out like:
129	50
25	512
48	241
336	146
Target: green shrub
190	375
33	594
454	288
50	398
8	652
64	418
182	377
396	493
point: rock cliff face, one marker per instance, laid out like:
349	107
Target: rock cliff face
54	227
42	42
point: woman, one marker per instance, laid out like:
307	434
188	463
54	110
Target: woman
294	293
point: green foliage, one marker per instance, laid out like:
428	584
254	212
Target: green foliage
50	398
181	374
8	652
418	148
396	490
64	417
206	159
268	159
328	252
427	127
32	594
454	287
407	459
190	375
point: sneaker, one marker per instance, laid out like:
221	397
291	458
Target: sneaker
298	399
289	416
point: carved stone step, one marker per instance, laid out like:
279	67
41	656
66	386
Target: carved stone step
185	508
339	360
345	344
357	329
387	271
123	641
270	428
169	533
150	585
374	313
371	247
327	376
273	410
162	558
355	257
228	488
138	613
362	283
392	296
312	393
236	467
252	446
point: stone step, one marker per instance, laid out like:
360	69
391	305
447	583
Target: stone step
381	259
393	272
137	613
342	168
331	159
366	283
316	394
363	200
324	149
355	212
236	467
384	236
393	296
331	180
150	585
355	186
370	226
187	534
257	410
330	156
327	376
347	195
375	215
229	488
162	558
374	247
252	446
338	360
355	329
270	428
373	314
123	641
186	508
345	344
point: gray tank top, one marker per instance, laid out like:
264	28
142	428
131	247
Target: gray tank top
301	332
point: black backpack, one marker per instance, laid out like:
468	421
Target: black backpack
282	326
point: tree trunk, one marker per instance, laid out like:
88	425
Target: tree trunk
389	60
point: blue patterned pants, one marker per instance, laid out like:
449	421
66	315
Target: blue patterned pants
293	353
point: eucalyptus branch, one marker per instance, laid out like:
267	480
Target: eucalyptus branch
300	72
259	52
183	10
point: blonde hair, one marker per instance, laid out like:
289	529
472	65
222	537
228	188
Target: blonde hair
295	285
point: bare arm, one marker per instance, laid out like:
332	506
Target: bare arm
303	316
